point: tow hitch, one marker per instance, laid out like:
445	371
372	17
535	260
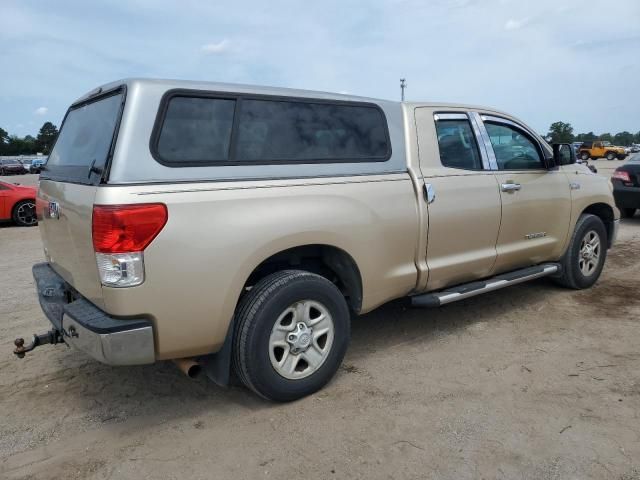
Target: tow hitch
52	337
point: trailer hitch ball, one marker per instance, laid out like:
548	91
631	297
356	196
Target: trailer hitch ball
52	337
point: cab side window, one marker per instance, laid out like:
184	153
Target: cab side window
514	150
457	145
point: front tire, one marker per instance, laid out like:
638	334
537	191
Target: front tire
611	156
24	213
291	334
583	261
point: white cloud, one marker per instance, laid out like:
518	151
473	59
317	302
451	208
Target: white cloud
214	48
513	24
41	111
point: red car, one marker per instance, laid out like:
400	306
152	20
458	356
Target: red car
18	203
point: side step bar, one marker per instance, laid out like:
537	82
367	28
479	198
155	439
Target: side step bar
437	299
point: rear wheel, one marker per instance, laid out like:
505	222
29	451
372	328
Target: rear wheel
611	156
292	331
584	156
24	213
583	261
628	212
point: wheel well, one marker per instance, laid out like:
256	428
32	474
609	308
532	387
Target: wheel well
605	212
334	264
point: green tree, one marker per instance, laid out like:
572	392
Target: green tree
586	137
21	146
4	139
605	137
623	138
560	132
637	139
46	137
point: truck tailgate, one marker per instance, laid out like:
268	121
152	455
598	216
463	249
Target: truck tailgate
64	212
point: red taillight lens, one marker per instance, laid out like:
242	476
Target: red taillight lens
127	228
622	175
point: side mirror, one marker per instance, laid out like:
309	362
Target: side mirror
563	154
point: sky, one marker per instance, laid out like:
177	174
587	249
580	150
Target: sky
576	61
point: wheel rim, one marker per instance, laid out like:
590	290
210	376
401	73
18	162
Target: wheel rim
589	253
301	339
26	213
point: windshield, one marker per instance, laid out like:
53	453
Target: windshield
83	145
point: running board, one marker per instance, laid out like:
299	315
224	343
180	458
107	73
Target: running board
437	299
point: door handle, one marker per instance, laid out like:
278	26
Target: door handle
510	187
429	193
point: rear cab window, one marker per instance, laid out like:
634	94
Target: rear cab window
86	140
457	143
195	130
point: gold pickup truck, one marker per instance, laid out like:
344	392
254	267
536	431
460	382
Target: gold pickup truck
236	229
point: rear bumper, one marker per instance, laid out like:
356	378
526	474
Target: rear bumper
109	340
626	197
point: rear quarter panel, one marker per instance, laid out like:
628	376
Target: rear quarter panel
218	232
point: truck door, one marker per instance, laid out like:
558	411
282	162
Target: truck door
536	201
462	195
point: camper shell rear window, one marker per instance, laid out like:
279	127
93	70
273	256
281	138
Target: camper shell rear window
87	137
196	128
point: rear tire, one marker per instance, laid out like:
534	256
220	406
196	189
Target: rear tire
584	156
583	261
24	213
627	212
291	334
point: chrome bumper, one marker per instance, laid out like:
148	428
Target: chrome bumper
84	326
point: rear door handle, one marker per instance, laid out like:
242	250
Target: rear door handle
429	193
510	187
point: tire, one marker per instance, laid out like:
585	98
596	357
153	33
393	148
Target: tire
627	212
611	156
287	299
584	156
24	213
573	275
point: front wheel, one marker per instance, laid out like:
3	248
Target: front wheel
611	156
583	261
24	213
291	334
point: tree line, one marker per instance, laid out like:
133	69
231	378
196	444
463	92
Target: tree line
28	145
560	132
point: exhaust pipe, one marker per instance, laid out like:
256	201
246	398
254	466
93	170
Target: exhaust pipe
188	366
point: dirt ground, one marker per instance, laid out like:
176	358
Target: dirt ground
531	382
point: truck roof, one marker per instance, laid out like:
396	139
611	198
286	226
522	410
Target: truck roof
169	84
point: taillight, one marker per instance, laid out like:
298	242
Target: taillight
120	235
622	175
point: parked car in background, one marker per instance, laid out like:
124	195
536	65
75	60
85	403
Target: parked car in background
635	148
238	228
576	148
626	187
18	203
599	149
36	164
10	166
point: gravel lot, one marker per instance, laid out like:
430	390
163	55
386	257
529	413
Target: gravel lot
532	382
